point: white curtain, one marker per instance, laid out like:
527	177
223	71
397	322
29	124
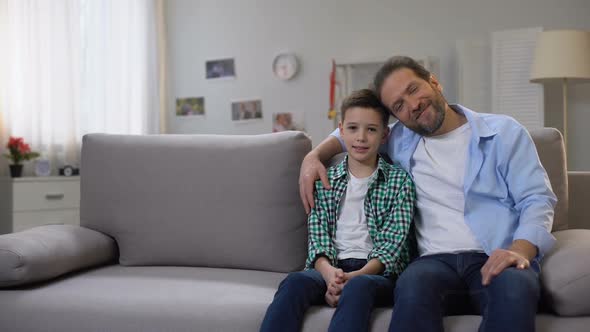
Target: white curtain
71	67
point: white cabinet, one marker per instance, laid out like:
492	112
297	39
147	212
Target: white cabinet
33	201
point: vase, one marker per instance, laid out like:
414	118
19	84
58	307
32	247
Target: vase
16	170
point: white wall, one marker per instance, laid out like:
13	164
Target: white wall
253	31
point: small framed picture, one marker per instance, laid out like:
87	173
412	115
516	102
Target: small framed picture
190	106
42	167
246	110
221	68
287	121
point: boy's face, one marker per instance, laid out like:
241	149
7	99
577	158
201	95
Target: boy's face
363	132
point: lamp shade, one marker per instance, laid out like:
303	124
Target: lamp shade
562	54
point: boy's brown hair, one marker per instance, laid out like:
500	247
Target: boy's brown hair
365	98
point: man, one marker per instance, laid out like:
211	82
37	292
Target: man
484	205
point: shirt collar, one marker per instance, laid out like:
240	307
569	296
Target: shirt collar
341	170
478	126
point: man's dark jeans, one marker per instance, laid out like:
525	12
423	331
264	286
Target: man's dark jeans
444	284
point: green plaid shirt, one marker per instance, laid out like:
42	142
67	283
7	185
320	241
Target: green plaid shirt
389	208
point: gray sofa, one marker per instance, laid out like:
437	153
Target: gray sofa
194	233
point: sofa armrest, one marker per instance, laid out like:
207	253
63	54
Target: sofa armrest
579	191
46	252
566	273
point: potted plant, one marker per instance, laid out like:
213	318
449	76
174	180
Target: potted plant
18	151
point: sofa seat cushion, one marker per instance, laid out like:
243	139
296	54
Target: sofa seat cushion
117	298
566	273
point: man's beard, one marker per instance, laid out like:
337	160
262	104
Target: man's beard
439	117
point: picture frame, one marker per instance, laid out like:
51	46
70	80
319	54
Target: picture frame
246	110
220	69
190	106
284	121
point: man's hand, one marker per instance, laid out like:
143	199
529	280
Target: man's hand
500	260
311	170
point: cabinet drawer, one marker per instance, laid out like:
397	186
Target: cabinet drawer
31	196
30	219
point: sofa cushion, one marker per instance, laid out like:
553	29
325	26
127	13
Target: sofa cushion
117	298
566	273
150	299
45	252
198	200
579	209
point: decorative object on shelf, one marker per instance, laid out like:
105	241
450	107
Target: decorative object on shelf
18	151
221	68
562	55
246	110
69	170
16	171
332	113
285	66
190	106
42	167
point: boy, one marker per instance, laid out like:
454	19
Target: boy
358	230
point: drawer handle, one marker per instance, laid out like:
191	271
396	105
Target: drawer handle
54	196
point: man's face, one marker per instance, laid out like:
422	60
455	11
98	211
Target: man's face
416	103
362	132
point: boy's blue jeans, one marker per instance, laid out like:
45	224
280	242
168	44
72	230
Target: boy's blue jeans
300	290
445	284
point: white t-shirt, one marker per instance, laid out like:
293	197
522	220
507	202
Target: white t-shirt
438	168
352	234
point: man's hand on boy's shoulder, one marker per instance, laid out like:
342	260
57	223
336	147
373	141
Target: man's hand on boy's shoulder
312	169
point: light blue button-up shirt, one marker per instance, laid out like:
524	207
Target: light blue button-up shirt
508	195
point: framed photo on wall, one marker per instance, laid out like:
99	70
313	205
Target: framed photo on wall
246	110
221	68
287	121
190	106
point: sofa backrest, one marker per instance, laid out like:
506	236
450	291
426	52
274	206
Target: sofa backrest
198	200
550	148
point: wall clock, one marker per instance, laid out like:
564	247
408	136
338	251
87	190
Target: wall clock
285	66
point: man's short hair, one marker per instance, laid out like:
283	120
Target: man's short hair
395	63
365	98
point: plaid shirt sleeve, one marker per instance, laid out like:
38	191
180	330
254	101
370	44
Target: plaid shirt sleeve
391	242
319	234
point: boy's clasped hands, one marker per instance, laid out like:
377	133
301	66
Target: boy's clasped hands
335	282
335	279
